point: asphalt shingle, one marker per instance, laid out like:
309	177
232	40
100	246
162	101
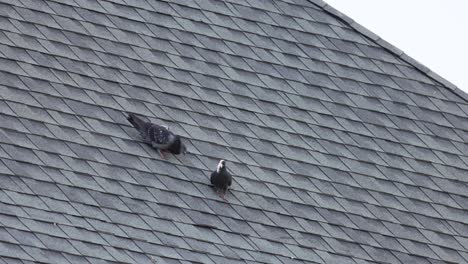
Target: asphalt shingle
342	149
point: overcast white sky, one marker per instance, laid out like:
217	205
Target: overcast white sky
434	32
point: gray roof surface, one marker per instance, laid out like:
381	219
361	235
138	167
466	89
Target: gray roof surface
343	149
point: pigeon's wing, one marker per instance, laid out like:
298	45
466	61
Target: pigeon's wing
159	137
229	179
144	129
213	178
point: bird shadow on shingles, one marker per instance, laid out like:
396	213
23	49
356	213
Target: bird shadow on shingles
205	226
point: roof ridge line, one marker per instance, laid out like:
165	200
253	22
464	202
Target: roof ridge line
391	48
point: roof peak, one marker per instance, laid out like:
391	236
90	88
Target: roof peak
390	47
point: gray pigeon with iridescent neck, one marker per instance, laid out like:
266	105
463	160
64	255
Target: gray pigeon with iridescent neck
221	179
159	137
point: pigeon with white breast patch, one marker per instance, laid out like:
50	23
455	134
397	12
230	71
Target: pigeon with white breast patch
221	179
159	137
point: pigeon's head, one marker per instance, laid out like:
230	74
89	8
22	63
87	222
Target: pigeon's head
178	146
221	165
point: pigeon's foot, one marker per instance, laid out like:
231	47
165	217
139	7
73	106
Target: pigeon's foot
161	153
222	195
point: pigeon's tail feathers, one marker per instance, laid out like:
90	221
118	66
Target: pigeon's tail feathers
137	122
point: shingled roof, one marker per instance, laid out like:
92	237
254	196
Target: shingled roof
343	149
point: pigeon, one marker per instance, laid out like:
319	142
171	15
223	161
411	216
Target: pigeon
221	179
159	137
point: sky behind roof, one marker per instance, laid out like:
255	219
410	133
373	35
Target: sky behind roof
434	32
